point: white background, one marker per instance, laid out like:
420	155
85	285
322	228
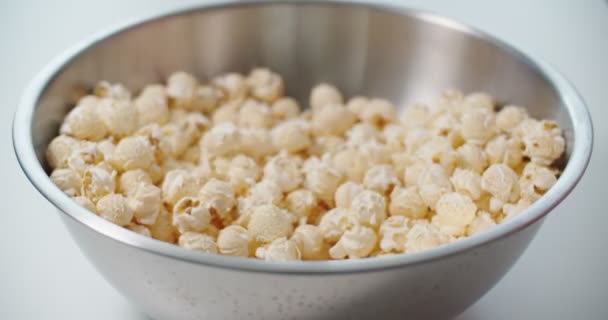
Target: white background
561	276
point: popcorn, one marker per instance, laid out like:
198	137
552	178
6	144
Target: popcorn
234	241
118	116
191	214
291	136
255	115
83	123
302	203
323	95
59	150
133	152
152	105
285	108
309	240
114	208
178	184
345	194
265	85
268	223
355	243
381	178
284	171
231	166
335	222
197	241
455	212
145	202
482	222
332	119
68	181
467	182
407	202
369	208
393	234
500	181
281	249
218	196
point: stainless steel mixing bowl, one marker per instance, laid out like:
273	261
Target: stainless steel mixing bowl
404	55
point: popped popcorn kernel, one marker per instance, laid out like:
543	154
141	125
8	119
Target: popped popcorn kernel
500	181
369	208
84	123
218	196
393	234
455	212
358	242
145	201
281	249
114	208
68	180
178	184
381	178
292	136
345	194
86	203
133	152
302	203
198	242
191	214
423	236
323	95
482	222
119	117
152	106
332	119
234	241
309	239
268	222
59	150
407	202
335	222
284	171
265	85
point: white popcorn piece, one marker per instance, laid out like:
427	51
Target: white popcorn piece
285	108
218	196
478	125
242	173
357	104
433	182
482	222
198	242
222	140
227	112
407	202
302	203
535	180
361	133
256	142
104	89
322	145
68	181
332	119
206	99
281	249
346	192
393	234
152	105
375	153
83	156
509	117
323	95
119	116
181	89
423	236
467	182
254	114
358	242
83	123
292	136
114	208
479	100
233	84
178	184
163	228
471	156
309	239
544	143
504	150
412	172
59	150
416	137
369	208
335	222
415	116
378	112
455	212
106	148
268	222
284	171
512	210
264	192
381	178
265	85
134	152
86	203
351	163
145	201
191	214
394	135
501	181
234	241
322	179
97	182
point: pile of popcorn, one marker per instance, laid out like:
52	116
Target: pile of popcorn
235	168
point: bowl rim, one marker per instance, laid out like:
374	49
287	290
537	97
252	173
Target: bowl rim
578	113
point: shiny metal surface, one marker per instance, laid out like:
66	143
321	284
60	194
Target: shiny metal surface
402	55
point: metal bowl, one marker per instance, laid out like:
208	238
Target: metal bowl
403	55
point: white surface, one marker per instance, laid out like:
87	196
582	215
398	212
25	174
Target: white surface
44	276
